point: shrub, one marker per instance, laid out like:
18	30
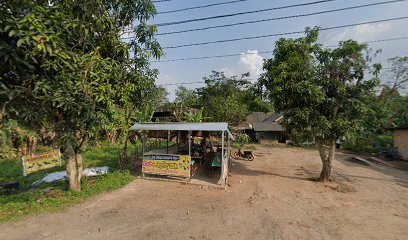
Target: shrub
368	143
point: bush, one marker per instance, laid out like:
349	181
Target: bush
7	152
368	144
240	140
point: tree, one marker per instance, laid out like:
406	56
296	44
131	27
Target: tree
240	140
397	75
254	98
320	90
160	96
222	97
64	65
186	97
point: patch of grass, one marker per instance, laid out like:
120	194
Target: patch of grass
50	199
29	200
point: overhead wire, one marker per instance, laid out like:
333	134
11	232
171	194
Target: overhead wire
261	52
201	6
160	1
187	83
242	13
280	18
256	21
201	82
285	33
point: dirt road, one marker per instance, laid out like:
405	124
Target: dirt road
270	198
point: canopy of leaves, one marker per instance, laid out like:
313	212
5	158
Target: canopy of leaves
229	99
186	97
321	90
64	64
397	75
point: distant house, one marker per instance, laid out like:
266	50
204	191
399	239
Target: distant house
265	128
172	114
401	141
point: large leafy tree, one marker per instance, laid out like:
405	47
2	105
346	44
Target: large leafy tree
223	97
397	74
65	66
186	97
321	90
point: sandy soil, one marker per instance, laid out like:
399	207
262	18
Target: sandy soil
270	198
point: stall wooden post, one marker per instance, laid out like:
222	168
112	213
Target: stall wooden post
222	161
189	143
143	151
168	139
228	149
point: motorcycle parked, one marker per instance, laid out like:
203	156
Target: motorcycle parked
243	154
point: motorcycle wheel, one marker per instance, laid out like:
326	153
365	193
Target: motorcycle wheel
250	157
235	155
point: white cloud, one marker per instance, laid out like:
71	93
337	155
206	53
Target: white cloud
361	33
251	62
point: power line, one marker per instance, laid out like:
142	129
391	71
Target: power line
202	6
242	13
262	52
209	57
280	18
201	82
187	83
160	1
379	40
285	33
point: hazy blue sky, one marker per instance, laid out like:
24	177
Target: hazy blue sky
194	70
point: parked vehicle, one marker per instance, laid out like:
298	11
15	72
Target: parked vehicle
243	154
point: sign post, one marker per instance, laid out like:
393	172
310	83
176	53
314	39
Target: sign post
37	162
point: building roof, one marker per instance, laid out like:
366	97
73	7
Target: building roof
267	127
274	117
207	126
257	117
260	121
243	126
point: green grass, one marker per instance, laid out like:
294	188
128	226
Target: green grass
48	197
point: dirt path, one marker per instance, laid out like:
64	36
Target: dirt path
270	198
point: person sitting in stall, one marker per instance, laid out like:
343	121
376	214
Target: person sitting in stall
210	146
206	145
203	144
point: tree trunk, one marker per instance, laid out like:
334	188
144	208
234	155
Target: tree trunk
2	113
327	156
123	159
74	167
178	141
96	139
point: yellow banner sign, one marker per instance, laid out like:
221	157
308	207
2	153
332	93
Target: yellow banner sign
37	162
164	164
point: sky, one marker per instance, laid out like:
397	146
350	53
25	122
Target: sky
195	70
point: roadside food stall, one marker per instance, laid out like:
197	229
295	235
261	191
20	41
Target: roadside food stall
198	162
